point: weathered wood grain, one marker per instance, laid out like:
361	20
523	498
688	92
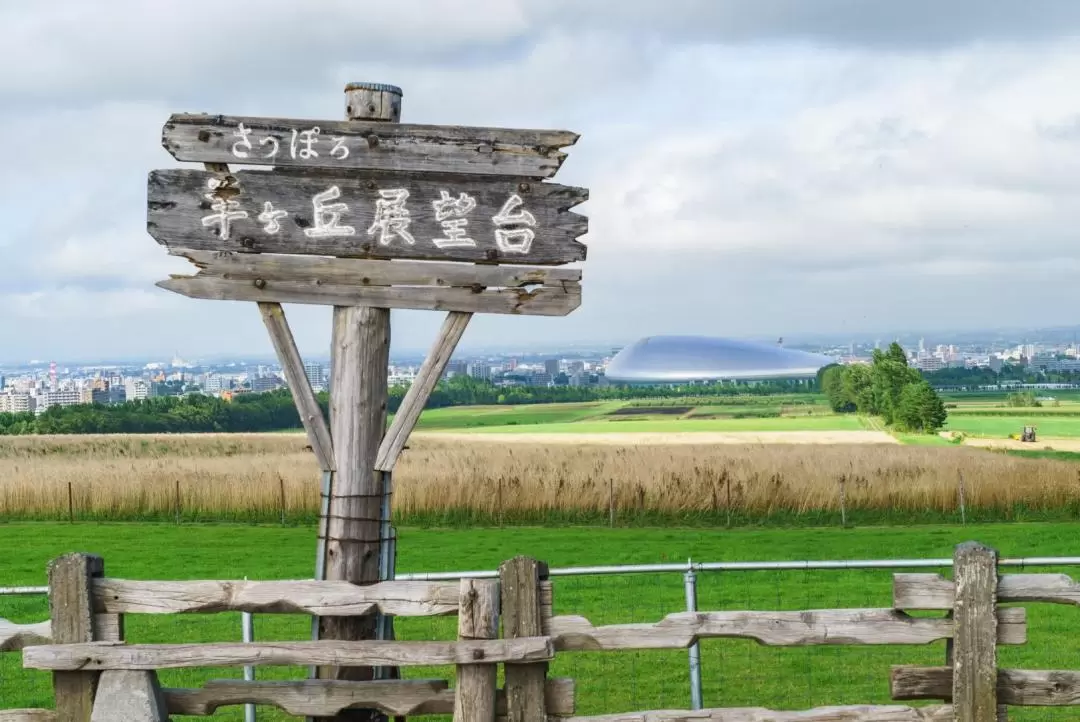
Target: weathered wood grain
1018	687
547	604
359	356
324	697
786	629
129	696
329	271
108	655
319	598
375	102
974	692
343	215
367	145
314	697
522	617
478	618
431	370
855	713
933	591
72	621
292	365
28	715
14	637
544	301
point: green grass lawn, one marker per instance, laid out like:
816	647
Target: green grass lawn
1002	426
922	439
797	423
735	672
464	417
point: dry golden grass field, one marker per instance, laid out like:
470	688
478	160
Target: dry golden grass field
447	480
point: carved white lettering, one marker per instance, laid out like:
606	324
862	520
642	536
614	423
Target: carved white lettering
271	218
307	143
328	216
391	217
242	133
271	141
453	228
514	240
226	209
340	151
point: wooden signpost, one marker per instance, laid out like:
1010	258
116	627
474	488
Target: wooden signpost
366	215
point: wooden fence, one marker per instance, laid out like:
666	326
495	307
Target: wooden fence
98	677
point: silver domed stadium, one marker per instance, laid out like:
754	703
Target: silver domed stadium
686	359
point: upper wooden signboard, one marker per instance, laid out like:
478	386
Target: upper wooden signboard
365	145
359	214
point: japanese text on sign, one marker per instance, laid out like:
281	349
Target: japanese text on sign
513	224
303	144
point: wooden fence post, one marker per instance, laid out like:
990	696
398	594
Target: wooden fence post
71	610
975	637
522	614
478	618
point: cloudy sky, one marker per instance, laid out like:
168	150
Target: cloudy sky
756	167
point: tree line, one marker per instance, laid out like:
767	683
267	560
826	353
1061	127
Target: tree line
1009	373
886	387
274	410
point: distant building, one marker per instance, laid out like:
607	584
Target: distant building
456	368
551	366
136	389
480	371
316	375
16	403
262	384
930	363
62	397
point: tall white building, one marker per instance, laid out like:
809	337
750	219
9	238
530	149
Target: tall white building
316	375
136	389
14	402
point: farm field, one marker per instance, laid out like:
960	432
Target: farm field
735	672
831	422
742	413
465	479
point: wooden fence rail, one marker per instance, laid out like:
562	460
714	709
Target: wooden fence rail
318	598
511	621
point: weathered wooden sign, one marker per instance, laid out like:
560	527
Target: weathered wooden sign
270	277
367	215
364	215
369	145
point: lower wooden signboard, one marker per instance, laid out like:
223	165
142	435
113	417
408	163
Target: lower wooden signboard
420	285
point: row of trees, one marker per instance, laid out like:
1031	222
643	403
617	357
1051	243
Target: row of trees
1009	373
274	410
887	387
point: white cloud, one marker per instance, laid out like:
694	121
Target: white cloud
789	161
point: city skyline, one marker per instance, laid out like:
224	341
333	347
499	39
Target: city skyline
1001	336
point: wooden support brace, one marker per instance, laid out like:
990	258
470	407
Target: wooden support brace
303	396
129	696
420	390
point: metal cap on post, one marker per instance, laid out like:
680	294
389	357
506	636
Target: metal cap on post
373	101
